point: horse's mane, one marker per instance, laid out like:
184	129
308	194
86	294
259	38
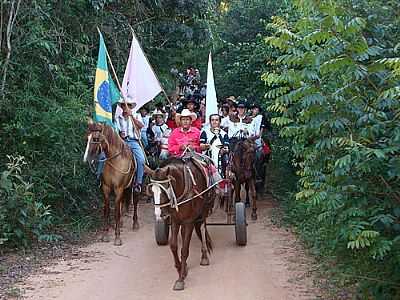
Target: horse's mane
170	161
114	139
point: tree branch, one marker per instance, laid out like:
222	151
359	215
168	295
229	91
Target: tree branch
11	21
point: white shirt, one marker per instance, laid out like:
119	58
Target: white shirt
235	127
159	131
145	121
125	126
225	122
257	121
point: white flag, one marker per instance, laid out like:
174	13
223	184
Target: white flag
140	83
211	96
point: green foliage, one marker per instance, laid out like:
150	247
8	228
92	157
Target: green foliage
49	86
23	217
334	91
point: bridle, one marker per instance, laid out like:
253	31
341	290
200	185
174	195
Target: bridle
174	201
99	144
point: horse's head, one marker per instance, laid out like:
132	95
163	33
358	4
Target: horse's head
244	154
95	139
165	187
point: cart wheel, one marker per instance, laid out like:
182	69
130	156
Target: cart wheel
161	232
240	224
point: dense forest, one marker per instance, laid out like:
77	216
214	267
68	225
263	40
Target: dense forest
327	72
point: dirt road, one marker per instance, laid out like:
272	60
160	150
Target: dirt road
270	267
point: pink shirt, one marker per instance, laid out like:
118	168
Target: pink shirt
179	137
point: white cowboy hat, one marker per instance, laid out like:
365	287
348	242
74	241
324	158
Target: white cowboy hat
186	113
157	112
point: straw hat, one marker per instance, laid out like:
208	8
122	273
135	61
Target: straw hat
156	113
186	113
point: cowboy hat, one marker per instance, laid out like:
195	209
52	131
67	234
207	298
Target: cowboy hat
157	112
232	98
186	113
128	100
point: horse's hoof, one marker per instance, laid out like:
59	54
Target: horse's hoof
117	242
179	285
135	226
247	204
254	216
204	261
105	238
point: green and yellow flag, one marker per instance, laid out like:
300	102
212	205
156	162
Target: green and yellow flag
105	91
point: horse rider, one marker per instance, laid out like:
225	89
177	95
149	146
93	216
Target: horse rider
258	126
231	105
186	140
215	141
129	124
185	137
191	104
144	113
161	133
240	125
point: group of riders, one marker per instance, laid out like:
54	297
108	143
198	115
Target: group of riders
181	126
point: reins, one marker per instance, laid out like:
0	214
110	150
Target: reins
169	191
107	160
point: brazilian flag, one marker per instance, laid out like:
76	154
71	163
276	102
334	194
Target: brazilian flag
105	91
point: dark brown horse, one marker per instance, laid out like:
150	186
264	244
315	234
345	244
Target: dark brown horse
118	174
178	188
241	168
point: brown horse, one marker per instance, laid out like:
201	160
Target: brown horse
118	174
179	189
241	168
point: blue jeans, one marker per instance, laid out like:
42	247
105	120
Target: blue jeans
140	160
143	136
100	164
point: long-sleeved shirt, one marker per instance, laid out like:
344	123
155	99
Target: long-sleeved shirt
125	126
179	137
235	124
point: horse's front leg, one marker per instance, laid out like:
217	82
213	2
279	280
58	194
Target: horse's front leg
119	194
187	230
253	196
135	220
106	212
173	244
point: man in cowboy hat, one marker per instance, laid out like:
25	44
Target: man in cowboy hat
185	136
129	124
161	133
191	104
240	124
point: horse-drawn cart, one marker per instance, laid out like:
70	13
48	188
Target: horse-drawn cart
235	216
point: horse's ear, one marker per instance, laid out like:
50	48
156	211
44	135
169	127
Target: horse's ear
149	171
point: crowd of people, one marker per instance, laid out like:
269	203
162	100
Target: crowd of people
181	126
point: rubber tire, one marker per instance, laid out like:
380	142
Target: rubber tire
240	224
161	232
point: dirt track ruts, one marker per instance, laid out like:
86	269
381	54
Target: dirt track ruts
271	266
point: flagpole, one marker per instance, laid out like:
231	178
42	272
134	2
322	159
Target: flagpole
155	74
120	89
